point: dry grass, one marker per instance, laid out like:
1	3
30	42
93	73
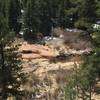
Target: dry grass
74	40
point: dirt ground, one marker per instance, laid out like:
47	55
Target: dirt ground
45	71
47	74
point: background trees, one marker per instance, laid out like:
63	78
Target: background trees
41	15
98	9
14	15
86	14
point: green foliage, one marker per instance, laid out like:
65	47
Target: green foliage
86	14
42	14
14	15
88	73
82	24
98	8
88	9
10	66
70	91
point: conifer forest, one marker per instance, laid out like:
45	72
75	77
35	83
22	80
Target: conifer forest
49	49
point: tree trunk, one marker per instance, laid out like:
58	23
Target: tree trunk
90	93
3	81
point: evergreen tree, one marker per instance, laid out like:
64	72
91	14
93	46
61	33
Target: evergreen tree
86	14
71	12
10	65
98	9
14	15
41	15
87	74
32	17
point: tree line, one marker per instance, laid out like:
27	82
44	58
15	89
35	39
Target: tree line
40	15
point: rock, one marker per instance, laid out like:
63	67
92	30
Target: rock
30	56
34	51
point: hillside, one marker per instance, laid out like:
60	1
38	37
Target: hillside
48	67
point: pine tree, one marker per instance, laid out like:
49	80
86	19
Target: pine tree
41	15
14	15
87	75
88	9
10	66
86	14
98	9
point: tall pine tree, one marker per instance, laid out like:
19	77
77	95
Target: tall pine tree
87	75
10	66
